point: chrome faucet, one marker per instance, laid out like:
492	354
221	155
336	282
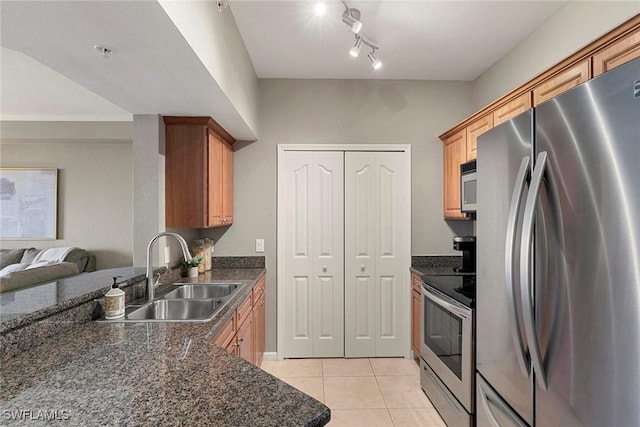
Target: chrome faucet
185	252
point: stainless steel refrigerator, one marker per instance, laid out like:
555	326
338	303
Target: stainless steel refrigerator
558	260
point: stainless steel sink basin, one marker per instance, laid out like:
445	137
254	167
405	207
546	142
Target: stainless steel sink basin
175	310
203	290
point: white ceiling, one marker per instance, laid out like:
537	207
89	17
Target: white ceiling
154	70
419	39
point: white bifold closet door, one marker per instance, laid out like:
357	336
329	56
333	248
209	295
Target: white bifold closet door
377	206
312	215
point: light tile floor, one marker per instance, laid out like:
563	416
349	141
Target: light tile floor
362	392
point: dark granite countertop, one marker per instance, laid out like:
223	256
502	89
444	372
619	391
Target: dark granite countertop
436	265
103	373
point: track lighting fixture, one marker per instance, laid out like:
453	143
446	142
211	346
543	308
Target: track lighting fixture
351	17
375	62
355	50
222	4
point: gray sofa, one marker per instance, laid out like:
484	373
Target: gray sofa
75	262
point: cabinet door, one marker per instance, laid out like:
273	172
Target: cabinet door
215	180
561	82
226	334
185	176
245	340
512	108
617	53
259	321
227	184
474	130
415	323
454	153
258	330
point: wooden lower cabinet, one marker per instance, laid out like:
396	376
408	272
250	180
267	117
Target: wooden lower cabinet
416	308
244	333
259	322
244	339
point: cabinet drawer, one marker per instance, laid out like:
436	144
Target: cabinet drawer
258	292
244	310
226	333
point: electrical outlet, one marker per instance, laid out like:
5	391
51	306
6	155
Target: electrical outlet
167	255
259	245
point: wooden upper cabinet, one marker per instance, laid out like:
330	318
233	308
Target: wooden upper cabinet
617	53
474	130
512	108
227	184
563	81
198	173
454	154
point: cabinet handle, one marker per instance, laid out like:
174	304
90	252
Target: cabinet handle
241	340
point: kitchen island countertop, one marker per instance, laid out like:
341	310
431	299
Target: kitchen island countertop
150	374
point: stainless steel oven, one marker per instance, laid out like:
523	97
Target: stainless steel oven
446	347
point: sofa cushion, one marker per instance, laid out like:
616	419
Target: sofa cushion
38	275
29	255
78	256
10	256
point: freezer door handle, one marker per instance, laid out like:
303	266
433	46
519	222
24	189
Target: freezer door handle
513	304
525	269
490	398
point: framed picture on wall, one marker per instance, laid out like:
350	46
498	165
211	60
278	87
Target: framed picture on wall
28	203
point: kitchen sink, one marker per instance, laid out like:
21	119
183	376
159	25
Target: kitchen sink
203	290
175	310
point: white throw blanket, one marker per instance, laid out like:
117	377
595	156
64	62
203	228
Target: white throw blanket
52	255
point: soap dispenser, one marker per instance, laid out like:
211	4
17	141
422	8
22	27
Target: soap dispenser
114	301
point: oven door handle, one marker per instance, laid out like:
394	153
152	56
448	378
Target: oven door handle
444	303
510	248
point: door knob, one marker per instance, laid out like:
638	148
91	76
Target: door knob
362	267
324	268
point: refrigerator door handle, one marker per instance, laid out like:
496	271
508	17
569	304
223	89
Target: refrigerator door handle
488	396
525	269
513	303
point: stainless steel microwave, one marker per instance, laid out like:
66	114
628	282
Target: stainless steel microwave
468	187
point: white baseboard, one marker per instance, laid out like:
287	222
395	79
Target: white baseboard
270	356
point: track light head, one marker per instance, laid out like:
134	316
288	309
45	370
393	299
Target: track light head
351	18
375	62
355	50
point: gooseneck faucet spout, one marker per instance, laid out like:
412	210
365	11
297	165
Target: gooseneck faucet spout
185	253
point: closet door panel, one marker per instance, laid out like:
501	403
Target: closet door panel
328	253
393	187
312	211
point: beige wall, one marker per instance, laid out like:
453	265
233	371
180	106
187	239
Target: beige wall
344	112
572	28
215	38
94	161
